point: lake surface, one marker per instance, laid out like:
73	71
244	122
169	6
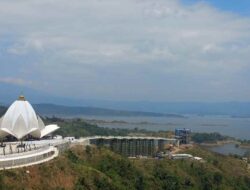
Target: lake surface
234	127
230	148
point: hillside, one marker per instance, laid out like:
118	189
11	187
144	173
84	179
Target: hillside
102	169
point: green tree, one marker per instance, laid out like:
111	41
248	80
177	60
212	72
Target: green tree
218	178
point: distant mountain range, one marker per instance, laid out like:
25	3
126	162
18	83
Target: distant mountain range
58	110
61	111
11	92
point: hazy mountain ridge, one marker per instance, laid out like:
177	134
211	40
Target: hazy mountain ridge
51	109
236	109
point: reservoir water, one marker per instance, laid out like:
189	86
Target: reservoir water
225	125
230	148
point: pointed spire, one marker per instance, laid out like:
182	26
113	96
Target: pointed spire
21	98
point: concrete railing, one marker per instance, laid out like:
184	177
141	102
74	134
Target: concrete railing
28	158
48	149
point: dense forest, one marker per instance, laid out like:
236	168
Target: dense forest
209	137
98	168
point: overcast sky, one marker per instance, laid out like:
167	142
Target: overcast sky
156	50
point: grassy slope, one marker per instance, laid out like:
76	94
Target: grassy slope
102	169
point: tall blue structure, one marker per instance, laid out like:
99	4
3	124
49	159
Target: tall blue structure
184	135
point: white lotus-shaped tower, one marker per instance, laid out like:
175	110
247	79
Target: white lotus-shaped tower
21	120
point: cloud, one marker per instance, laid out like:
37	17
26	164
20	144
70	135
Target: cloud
26	46
16	81
133	49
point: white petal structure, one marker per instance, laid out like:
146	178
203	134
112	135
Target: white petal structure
21	120
43	130
2	133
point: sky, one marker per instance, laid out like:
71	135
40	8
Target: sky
150	50
240	7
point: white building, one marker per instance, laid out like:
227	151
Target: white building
21	120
